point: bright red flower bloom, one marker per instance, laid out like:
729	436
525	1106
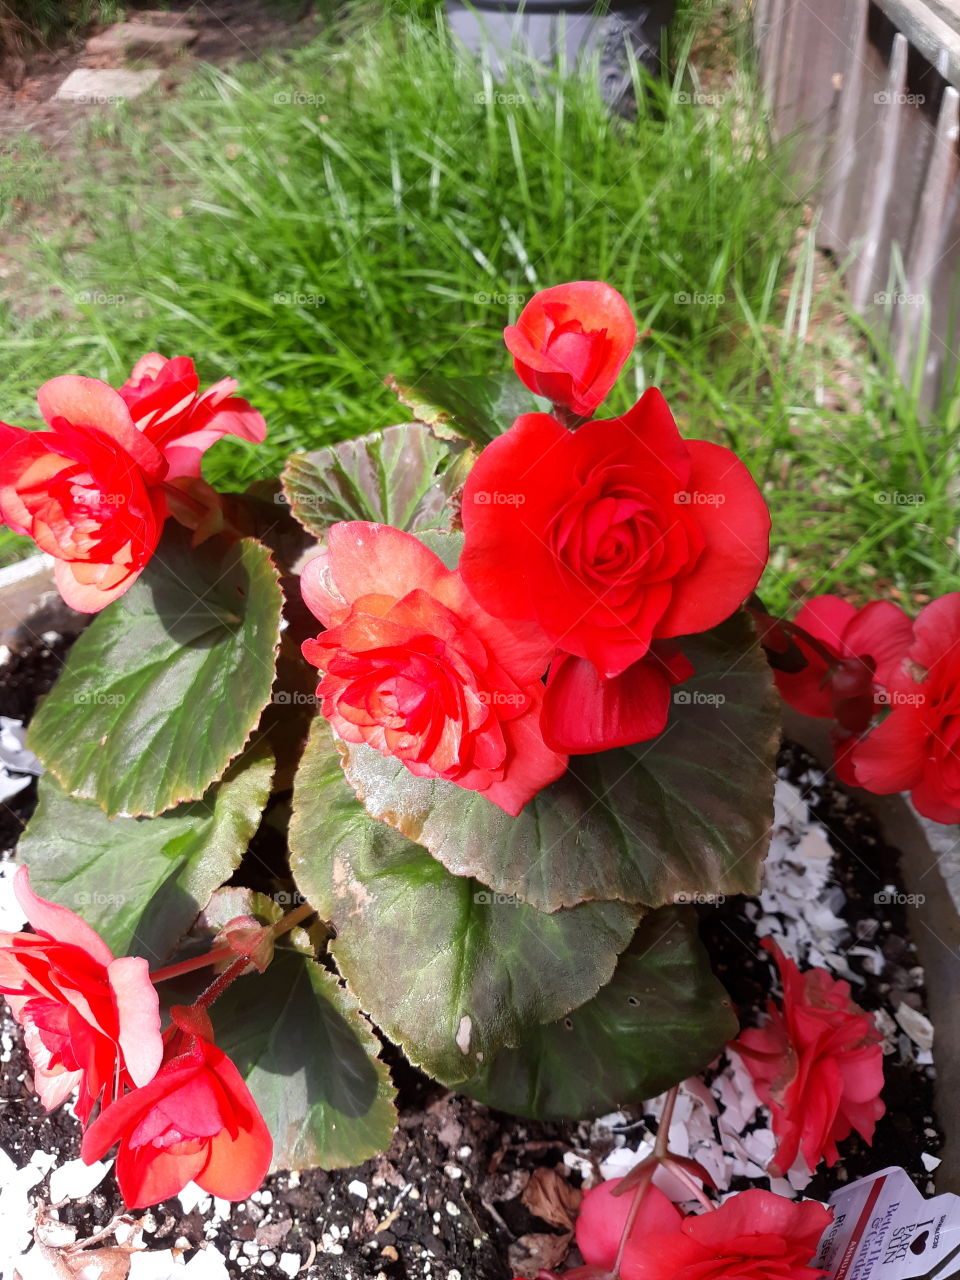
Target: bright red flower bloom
87	491
752	1236
166	404
917	747
613	535
90	490
868	647
817	1063
89	1021
584	713
570	343
755	1235
196	1121
414	667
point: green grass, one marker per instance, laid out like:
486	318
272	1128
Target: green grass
377	203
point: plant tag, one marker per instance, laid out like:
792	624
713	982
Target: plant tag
884	1229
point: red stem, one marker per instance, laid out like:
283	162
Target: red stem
188	966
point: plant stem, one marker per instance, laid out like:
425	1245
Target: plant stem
661	1148
292	919
188	966
219	985
289	921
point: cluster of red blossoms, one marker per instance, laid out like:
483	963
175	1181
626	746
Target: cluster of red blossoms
817	1064
892	687
95	489
173	1102
591	545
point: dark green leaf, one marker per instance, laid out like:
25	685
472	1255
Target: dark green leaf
141	882
402	476
164	687
310	1061
446	968
687	813
478	407
663	1018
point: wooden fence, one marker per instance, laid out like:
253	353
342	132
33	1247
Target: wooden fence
869	90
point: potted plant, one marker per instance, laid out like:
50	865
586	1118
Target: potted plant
494	693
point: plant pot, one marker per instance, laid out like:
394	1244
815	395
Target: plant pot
566	32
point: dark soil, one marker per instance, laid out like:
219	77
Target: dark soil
449	1200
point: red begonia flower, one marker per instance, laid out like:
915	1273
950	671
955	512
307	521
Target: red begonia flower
817	1063
613	535
90	491
754	1235
603	1216
917	747
89	1021
868	647
570	343
415	668
87	491
166	403
196	1121
583	712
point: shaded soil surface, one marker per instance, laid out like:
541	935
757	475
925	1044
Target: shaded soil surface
465	1193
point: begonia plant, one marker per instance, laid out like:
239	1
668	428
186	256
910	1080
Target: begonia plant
447	732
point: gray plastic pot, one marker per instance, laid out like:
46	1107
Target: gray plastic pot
566	32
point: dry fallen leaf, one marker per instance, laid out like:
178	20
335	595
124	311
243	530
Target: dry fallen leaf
550	1196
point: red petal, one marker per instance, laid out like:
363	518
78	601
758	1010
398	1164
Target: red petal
603	1216
90	403
60	923
892	756
736	529
583	712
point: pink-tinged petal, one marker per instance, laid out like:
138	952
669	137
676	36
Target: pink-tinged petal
138	1013
53	1088
368	559
320	592
90	403
892	756
735	521
88	597
583	712
147	366
882	631
603	1216
60	923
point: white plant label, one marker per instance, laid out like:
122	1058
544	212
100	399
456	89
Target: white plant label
884	1229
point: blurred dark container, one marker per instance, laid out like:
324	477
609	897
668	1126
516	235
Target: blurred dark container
567	31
